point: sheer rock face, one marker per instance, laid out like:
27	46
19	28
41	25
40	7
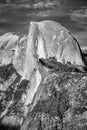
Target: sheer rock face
50	39
37	90
45	39
58	41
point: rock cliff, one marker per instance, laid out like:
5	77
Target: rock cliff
43	85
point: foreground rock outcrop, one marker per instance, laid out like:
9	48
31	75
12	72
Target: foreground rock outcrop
60	102
43	80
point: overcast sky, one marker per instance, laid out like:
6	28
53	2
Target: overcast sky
73	16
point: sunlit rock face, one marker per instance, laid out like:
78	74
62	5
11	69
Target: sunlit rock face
39	89
45	39
59	43
50	39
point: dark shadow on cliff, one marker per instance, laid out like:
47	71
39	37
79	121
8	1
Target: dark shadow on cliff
4	127
6	71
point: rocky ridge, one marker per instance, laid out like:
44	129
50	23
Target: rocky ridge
53	95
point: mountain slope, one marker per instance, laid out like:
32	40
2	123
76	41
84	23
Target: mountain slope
51	94
61	100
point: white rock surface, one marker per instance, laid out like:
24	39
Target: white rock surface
50	39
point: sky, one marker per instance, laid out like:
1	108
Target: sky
72	14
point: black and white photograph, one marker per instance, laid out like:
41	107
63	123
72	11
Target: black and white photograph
43	64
